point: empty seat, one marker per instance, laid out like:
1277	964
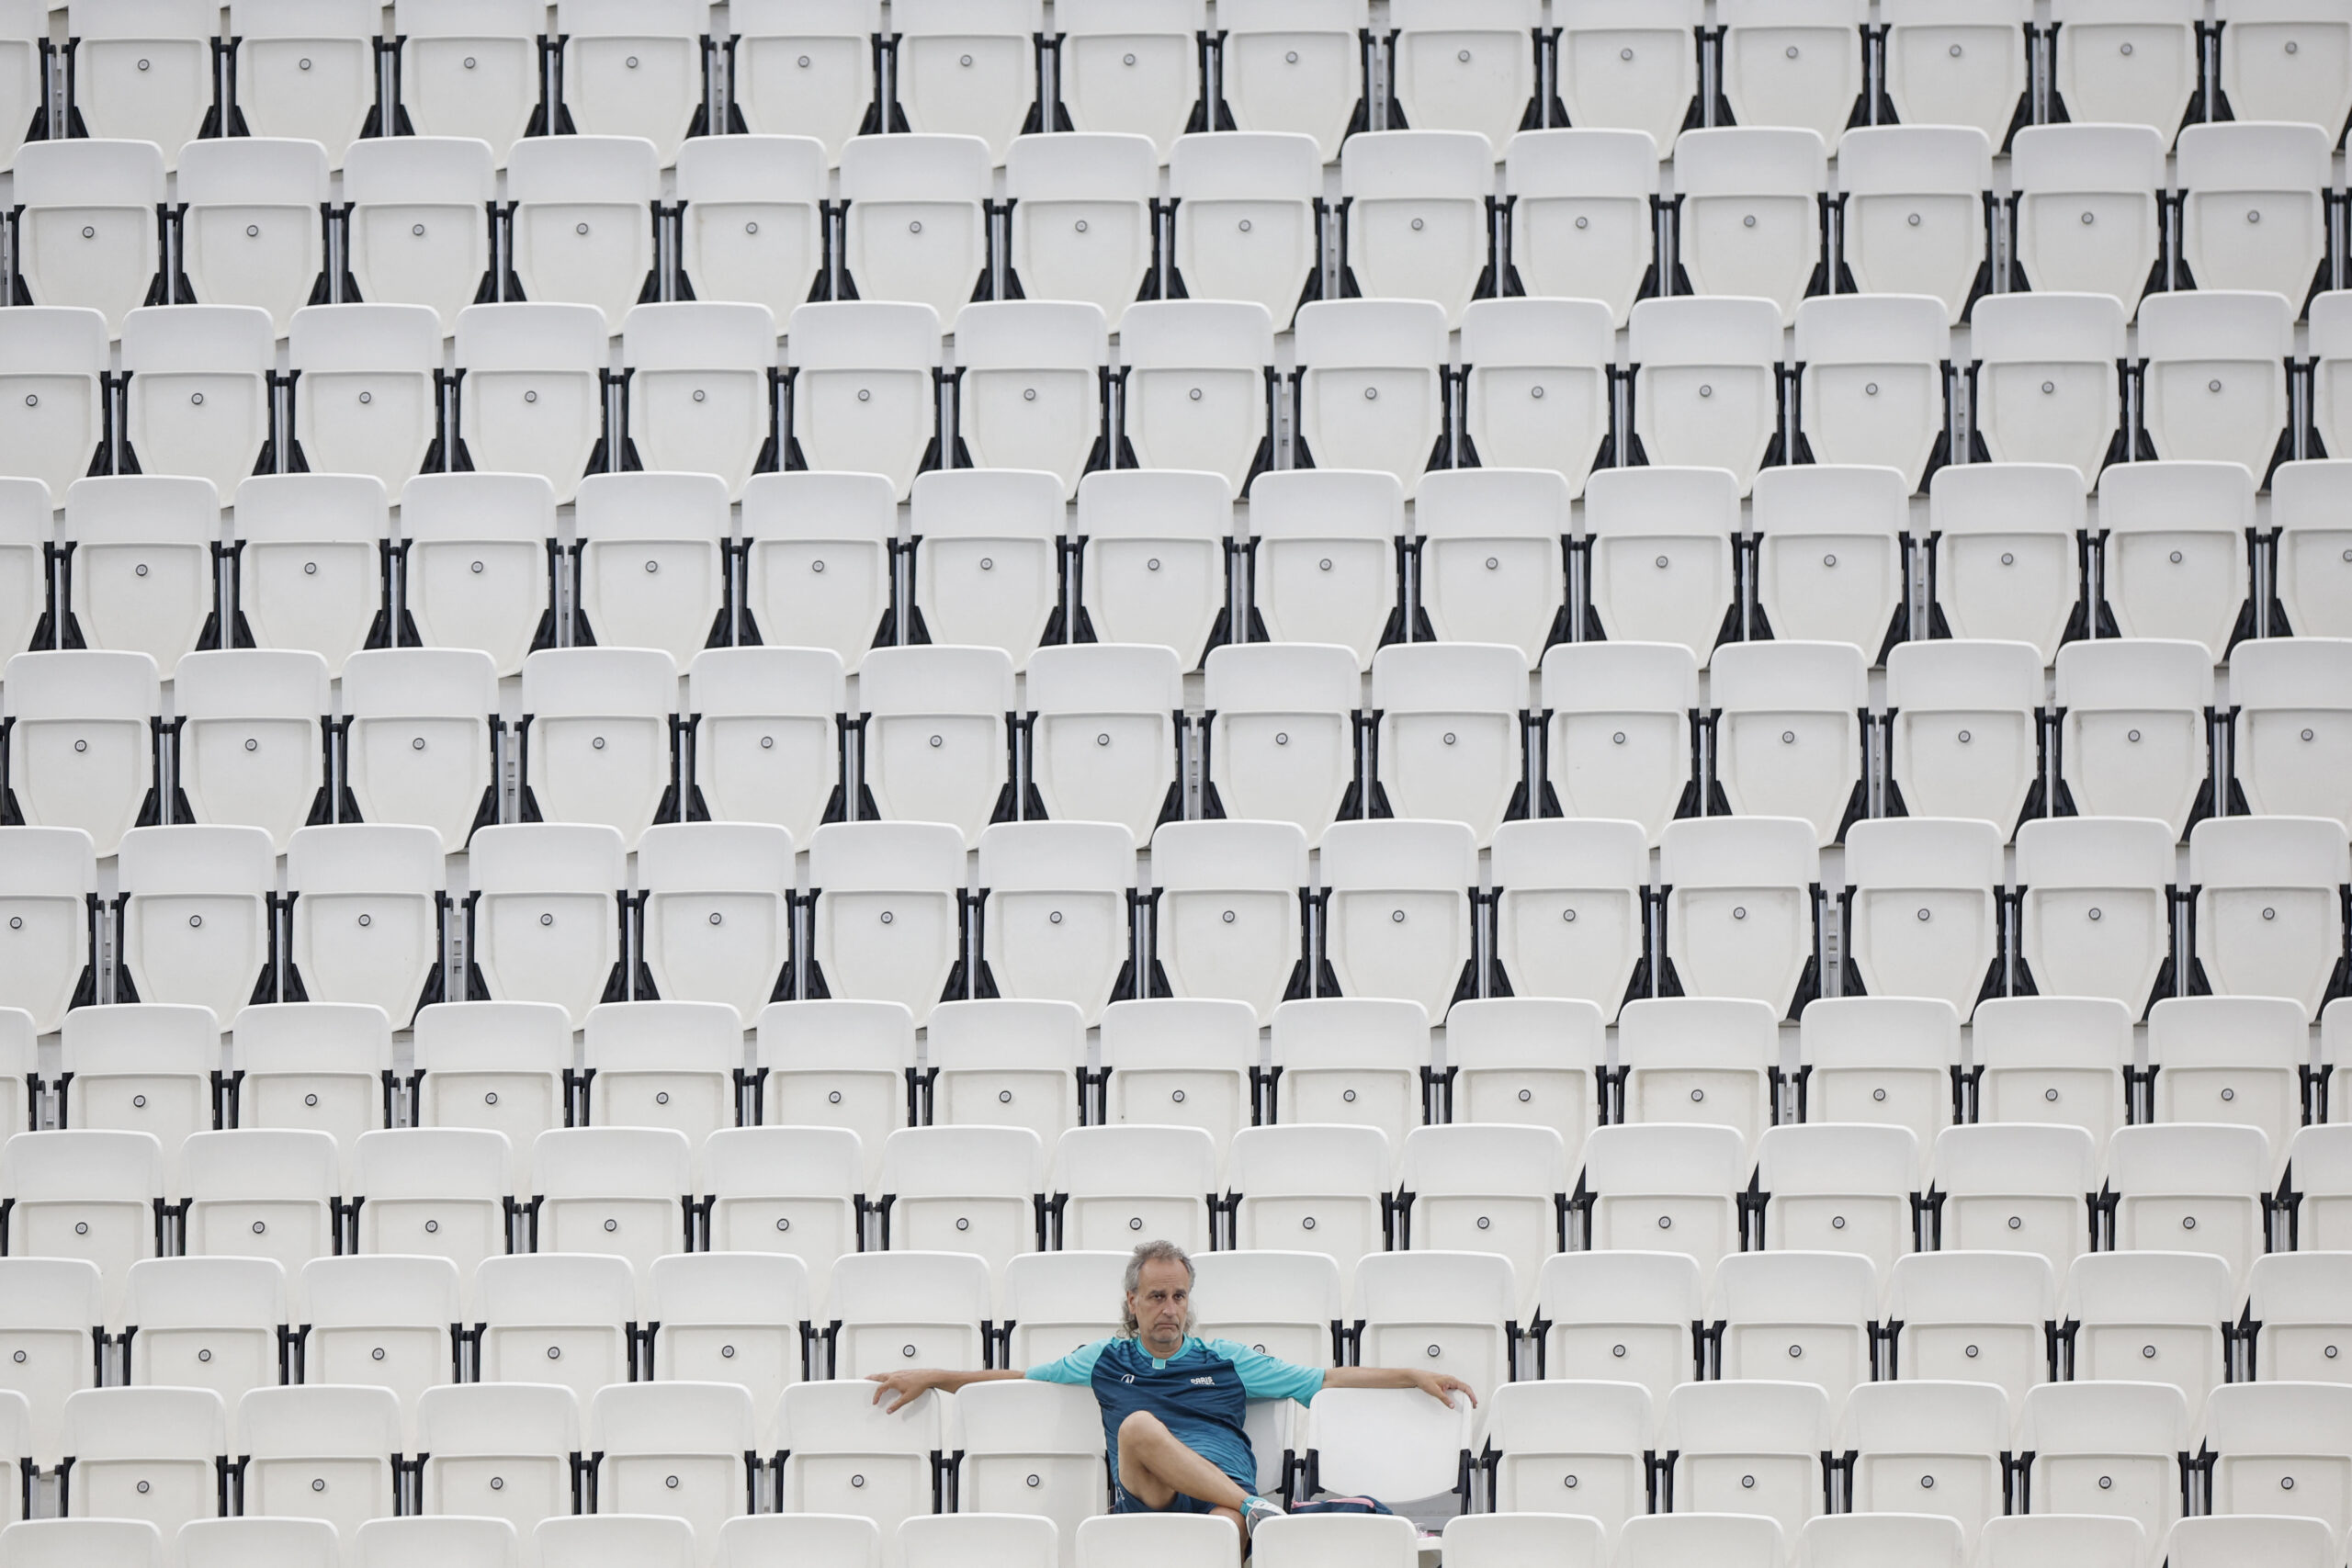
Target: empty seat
306	72
627	1191
1924	909
1487	1189
987	561
915	699
653	561
94	1196
701	394
1352	354
961	1190
198	401
2251	209
1416	205
90	230
1739	908
2316	1156
1570	911
1031	382
442	1192
223	1543
268	1193
1894	1060
426	1543
1737	1540
2295	1301
906	1309
2269	908
1630	66
386	1321
684	1449
53	431
1706	387
1492	561
1466	70
1248	207
968	70
2096	905
1917	196
801	528
499	1450
1061	1302
1834	1541
2286	720
1793	65
1427	694
417	739
481	563
1530	1061
195	923
1964	732
311	558
53	1318
141	1068
2009	563
1115	1183
615	1540
550	1318
634	70
1967	70
1082	226
2112	693
546	925
492	100
1829	554
321	1065
663	1064
1007	1063
500	1067
829	99
916	230
210	1323
2289	84
1056	921
2150	1317
1197	396
1749	210
2047	391
838	1064
1566	1445
2173	561
250	232
1619	741
597	742
1805	1317
1788	731
767	737
1624	1317
843	1454
798	1192
1709	1060
716	913
1103	736
2016	1188
1834	1188
1580	226
532	401
1296	65
1363	1438
1661	556
416	232
250	746
2193	1187
1013	1540
1987	1317
2299	1541
140	568
911	872
2086	209
1761	1447
1311	1188
1665	1187
1181	1062
25	70
48	889
1872	389
1537	379
2278	1448
581	219
1381	878
1231	918
1280	739
753	232
2132	64
2309	575
1029	1447
318	1453
2056	1059
1451	1313
153	1454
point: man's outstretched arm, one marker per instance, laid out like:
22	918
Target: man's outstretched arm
903	1389
1437	1385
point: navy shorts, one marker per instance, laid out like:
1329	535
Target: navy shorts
1127	1502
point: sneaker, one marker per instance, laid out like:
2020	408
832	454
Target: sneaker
1257	1511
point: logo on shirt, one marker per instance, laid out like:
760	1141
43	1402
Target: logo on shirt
1205	1382
1128	1377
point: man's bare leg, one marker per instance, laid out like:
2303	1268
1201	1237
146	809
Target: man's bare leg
1154	1467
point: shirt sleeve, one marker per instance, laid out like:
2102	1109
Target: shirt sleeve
1078	1366
1269	1377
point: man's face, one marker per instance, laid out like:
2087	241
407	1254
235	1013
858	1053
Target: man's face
1162	1305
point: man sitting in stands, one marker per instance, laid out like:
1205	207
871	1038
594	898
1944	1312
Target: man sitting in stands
1174	1404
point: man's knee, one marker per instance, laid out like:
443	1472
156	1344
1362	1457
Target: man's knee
1140	1426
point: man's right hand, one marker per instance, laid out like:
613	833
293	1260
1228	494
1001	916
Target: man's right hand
903	1389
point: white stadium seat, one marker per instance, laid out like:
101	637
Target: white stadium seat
913	874
289	1440
1566	1444
1620	1316
680	1449
417	232
2048	386
1417	202
2016	1188
632	69
1924	911
2277	1447
846	1538
549	1318
1398	909
435	1543
145	1453
2299	83
84	1543
89	232
843	1454
1247	205
1666	1187
2150	1317
434	1192
2056	1059
753	230
1739	907
831	98
261	1193
1132	71
1466	68
493	99
1366	1439
249	749
626	1192
598	745
1115	1184
141	1068
93	1196
1452	737
1532	1061
1630	65
1662	555
1964	728
701	393
1759	1447
1451	1313
25	68
998	1540
1750	211
1197	392
1569	921
1891	1060
1857	1540
311	558
2296	1298
1082	224
1031	384
916	230
1916	196
196	925
145	71
1324	565
767	737
986	562
53	431
1486	1189
1006	1064
1695	1060
1281	733
2251	208
1829	554
1706	388
2131	63
1310	1189
417	739
1788	731
936	725
1230	919
1580	222
1735	1540
2270	908
1536	385
385	1322
581	219
2009	563
502	1452
1871	390
250	229
1353	1061
48	890
481	563
1104	734
2309	591
2289	1540
20	1080
210	1323
1804	1316
968	69
837	1063
663	1064
1794	62
2285	694
904	1309
653	561
1296	65
799	528
1353	352
1490	547
1183	1062
306	70
1056	923
546	928
615	1540
2193	1187
794	1192
2173	561
1619	741
289	1542
717	917
199	401
2133	740
321	1065
533	396
2086	209
1841	1189
1976	1318
1968	69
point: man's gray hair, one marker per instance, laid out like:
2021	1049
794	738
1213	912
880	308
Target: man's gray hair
1152	1252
